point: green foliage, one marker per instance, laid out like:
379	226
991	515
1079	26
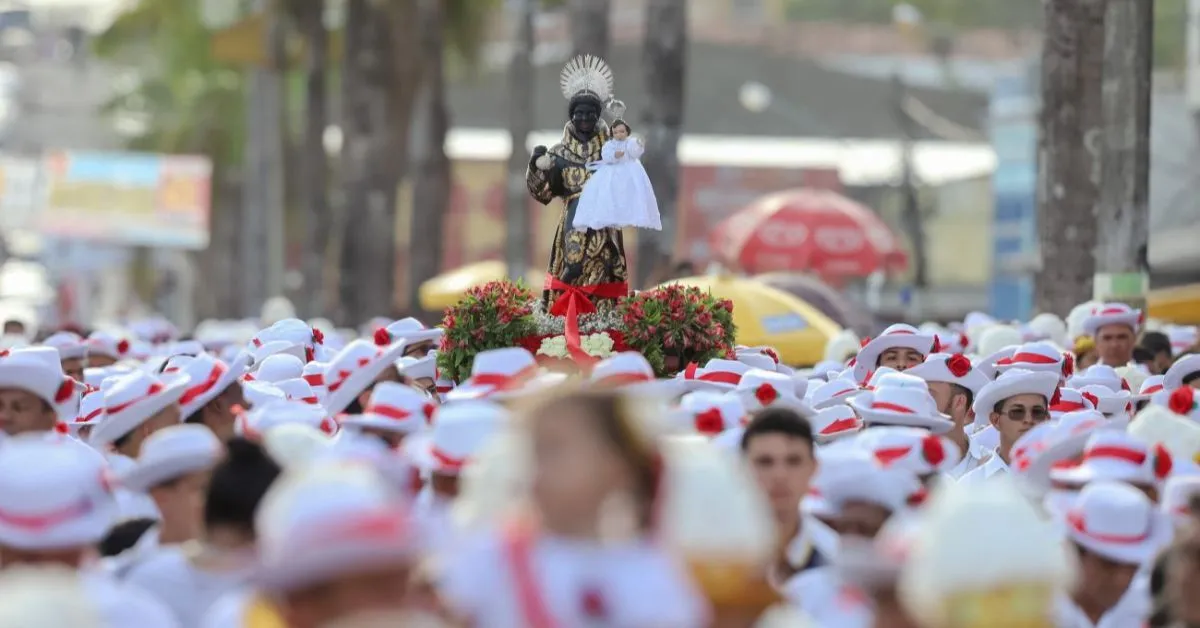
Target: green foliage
684	322
492	316
189	102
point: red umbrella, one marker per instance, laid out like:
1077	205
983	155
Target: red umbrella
807	230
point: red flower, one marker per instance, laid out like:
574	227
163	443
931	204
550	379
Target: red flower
1068	367
932	450
958	365
766	394
123	347
710	422
963	341
1162	462
1182	400
318	337
383	337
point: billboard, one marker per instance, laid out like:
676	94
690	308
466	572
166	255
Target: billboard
127	198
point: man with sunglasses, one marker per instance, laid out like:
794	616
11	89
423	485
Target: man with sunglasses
1014	403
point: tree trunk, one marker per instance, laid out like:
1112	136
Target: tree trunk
590	26
373	158
313	180
665	64
1125	182
431	166
1069	151
520	124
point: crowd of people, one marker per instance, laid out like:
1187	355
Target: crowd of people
289	474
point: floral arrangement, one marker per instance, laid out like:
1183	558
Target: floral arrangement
598	345
673	325
492	316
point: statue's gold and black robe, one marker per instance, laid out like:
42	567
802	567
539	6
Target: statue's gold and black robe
578	258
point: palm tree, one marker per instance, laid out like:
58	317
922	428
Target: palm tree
665	63
313	182
184	101
430	165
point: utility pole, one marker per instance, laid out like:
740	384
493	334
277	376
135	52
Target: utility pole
1121	273
1069	145
520	125
913	221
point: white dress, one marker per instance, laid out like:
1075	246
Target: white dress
619	193
189	591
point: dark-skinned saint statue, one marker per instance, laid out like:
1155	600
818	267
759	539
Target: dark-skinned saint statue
591	262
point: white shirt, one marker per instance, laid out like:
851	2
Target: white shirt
637	583
124	606
131	504
171	576
994	465
973	458
1131	610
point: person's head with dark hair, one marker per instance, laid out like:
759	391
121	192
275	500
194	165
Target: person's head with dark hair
14	327
237	485
1158	346
124	536
778	445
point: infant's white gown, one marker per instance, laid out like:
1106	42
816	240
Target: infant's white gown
619	193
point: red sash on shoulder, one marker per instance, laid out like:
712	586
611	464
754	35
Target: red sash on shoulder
518	548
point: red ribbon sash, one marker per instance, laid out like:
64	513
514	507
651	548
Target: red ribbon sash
574	301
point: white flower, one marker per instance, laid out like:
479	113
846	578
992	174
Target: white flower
554	346
598	345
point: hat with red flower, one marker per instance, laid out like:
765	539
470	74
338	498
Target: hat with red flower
38	370
891	487
70	345
1118	456
109	345
911	449
950	369
708	413
759	388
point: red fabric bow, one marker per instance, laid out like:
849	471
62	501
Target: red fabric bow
1068	365
937	345
574	301
766	394
1092	398
710	422
958	365
1182	400
1056	398
865	341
